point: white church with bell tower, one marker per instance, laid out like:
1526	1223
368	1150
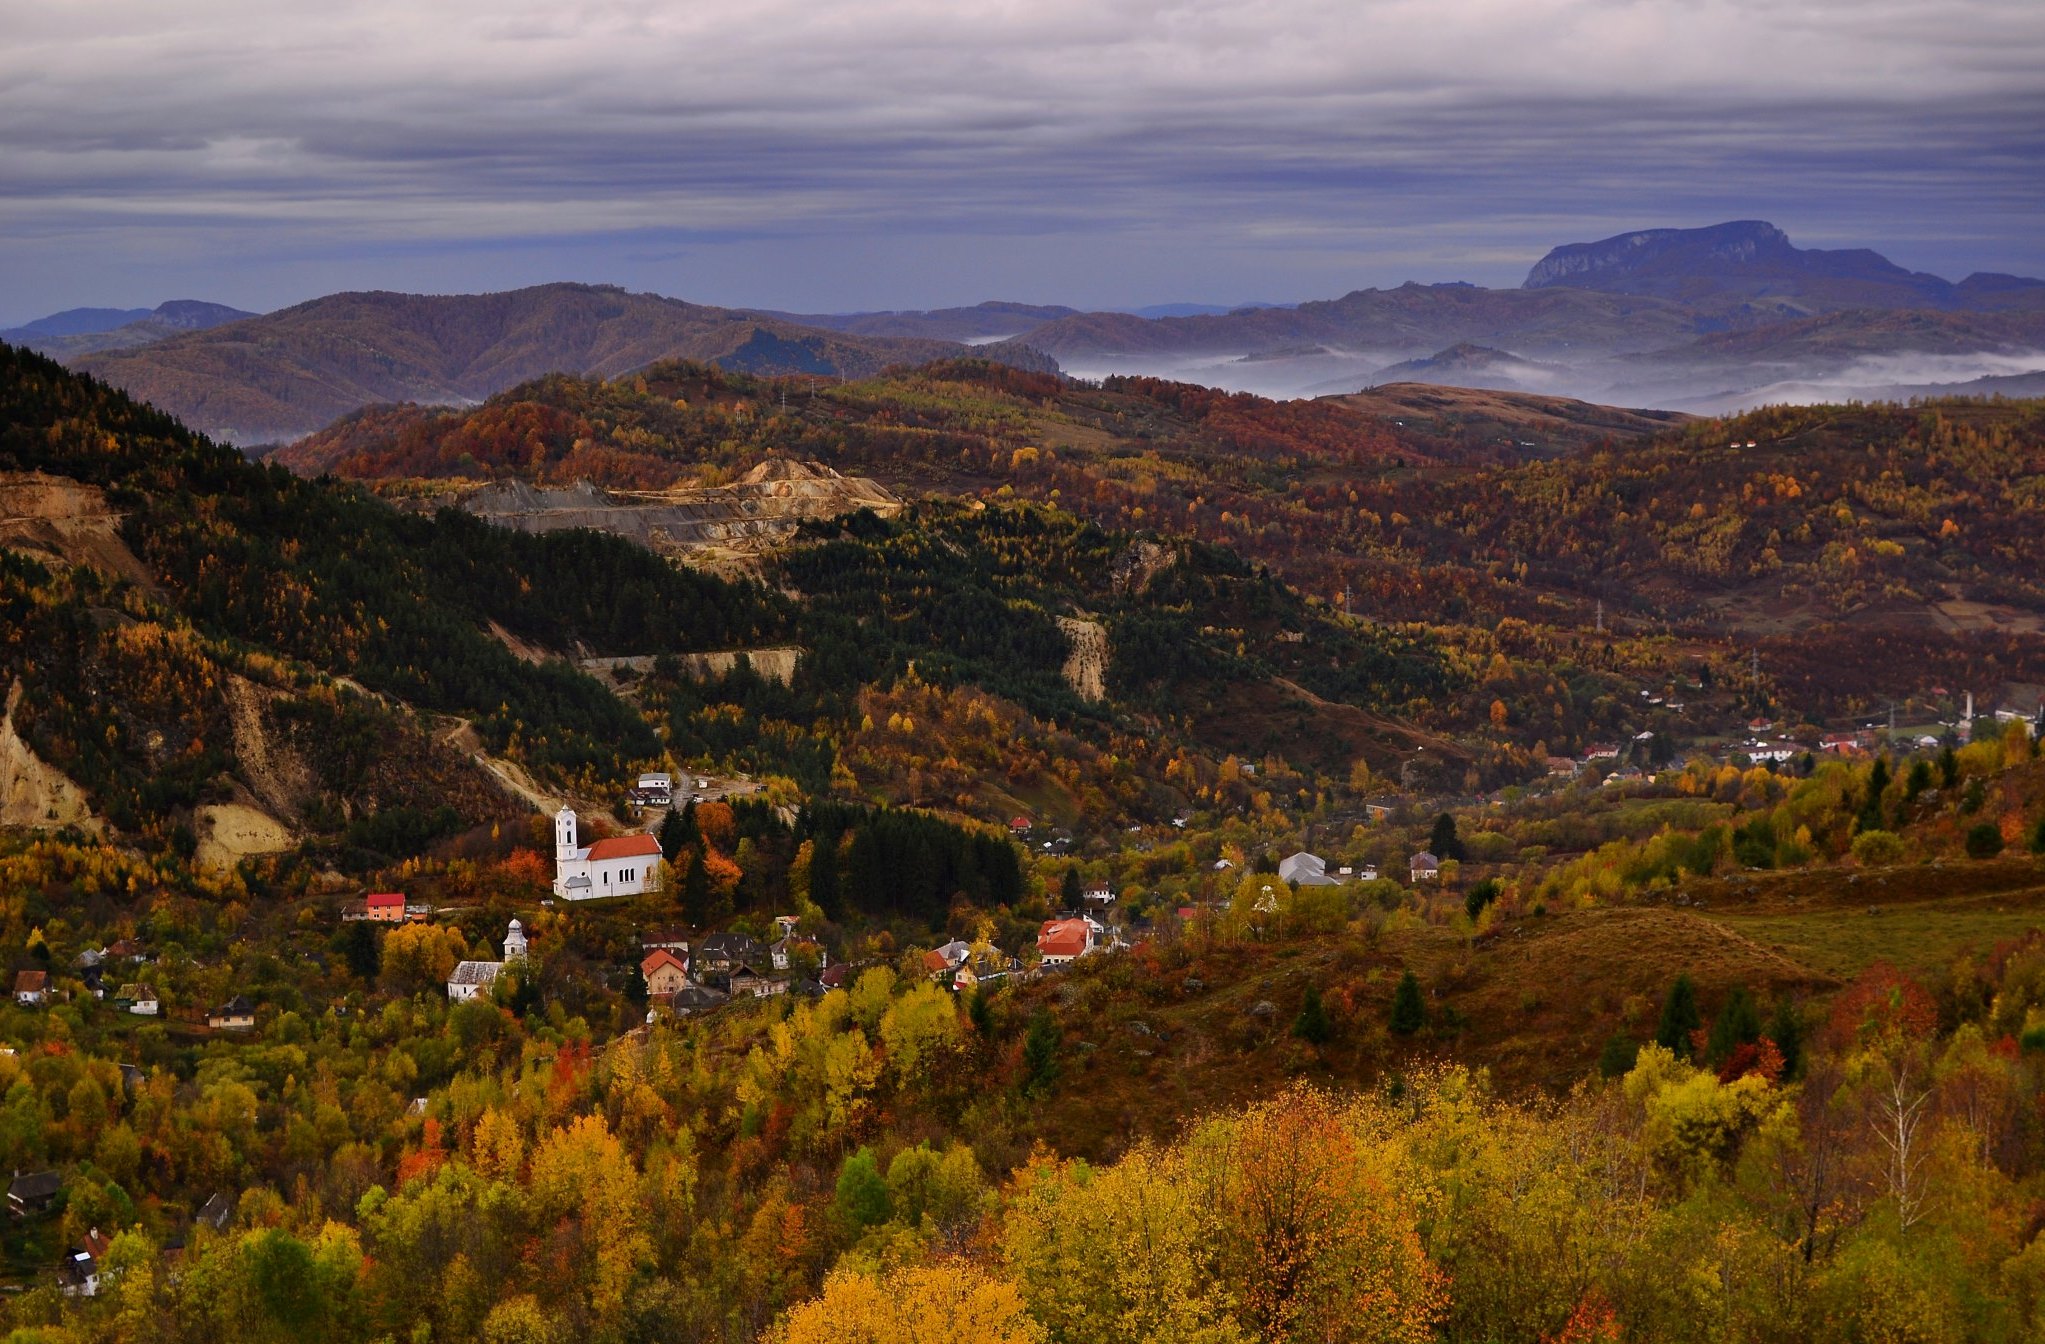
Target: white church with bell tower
623	865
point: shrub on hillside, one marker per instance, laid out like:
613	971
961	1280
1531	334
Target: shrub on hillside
1876	848
1984	841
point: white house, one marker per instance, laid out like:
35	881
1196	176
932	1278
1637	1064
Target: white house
472	979
624	865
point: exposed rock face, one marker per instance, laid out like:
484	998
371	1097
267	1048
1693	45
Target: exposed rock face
1086	667
33	793
60	518
1136	567
758	512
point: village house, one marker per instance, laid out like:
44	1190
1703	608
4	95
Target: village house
1424	867
32	1192
750	983
1098	893
723	953
623	865
695	999
1061	941
1377	812
664	971
78	1275
139	999
1601	751
942	963
1306	870
127	949
237	1014
673	937
473	980
91	964
1561	766
215	1212
385	907
32	988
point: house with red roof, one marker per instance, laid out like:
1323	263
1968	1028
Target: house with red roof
384	907
665	972
622	865
1064	940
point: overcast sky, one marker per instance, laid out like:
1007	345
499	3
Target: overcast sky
839	154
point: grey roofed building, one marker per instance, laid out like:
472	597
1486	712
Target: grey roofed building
33	1190
724	951
1306	870
696	999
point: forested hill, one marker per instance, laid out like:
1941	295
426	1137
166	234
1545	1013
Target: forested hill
222	609
268	378
1831	536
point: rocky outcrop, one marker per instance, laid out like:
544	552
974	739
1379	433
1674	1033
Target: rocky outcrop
1086	666
32	793
61	519
759	511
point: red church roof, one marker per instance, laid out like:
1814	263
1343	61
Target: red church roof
625	847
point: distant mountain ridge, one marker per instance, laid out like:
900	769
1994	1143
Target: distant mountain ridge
80	331
293	371
1748	260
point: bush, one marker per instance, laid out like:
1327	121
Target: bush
1984	841
1876	848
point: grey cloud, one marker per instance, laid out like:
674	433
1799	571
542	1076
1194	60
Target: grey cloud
253	151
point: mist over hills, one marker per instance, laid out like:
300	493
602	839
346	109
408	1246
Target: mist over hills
1709	320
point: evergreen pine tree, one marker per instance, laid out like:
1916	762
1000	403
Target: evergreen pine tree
1443	842
980	1011
1069	888
1680	1019
695	890
1618	1055
824	891
674	835
1786	1029
359	945
1737	1024
1409	1010
1871	816
1313	1024
1040	1054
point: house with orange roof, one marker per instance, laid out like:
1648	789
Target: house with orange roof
1064	940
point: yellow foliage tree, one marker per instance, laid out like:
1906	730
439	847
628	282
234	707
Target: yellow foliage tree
924	1304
